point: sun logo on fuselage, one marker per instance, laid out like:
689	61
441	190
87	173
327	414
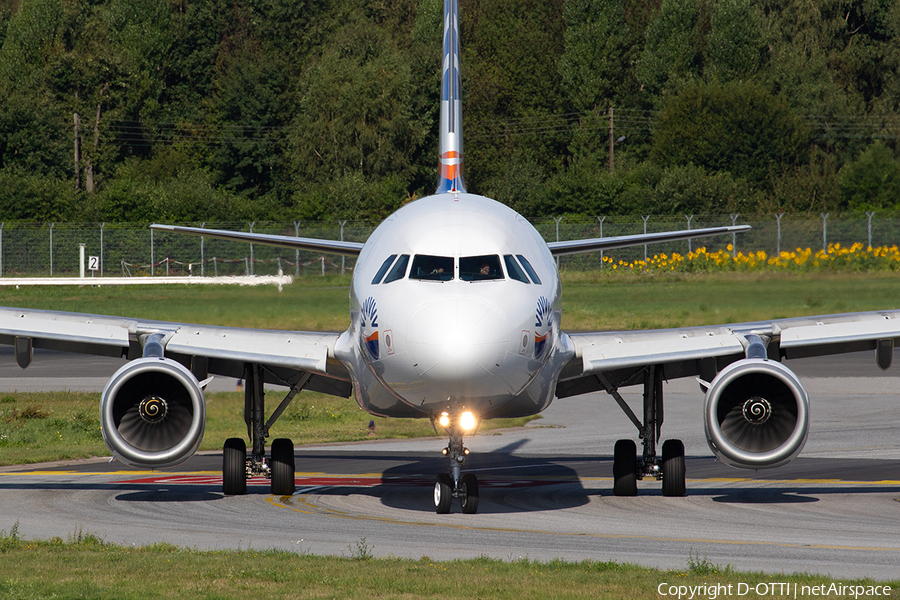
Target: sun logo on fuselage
369	326
541	325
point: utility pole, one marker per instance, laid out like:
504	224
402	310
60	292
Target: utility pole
77	152
612	142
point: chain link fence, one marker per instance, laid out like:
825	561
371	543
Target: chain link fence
133	249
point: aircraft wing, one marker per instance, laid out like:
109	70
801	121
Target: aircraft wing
626	241
280	241
288	355
704	351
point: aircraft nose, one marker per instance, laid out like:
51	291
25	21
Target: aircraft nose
457	341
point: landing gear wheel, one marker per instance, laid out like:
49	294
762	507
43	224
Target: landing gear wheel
234	467
443	494
673	468
624	473
283	467
468	493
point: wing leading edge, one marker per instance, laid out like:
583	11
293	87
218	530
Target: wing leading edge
281	241
626	241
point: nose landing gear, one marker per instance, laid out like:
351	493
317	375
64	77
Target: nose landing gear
455	484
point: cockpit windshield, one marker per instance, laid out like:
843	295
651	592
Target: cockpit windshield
480	268
399	270
384	267
432	268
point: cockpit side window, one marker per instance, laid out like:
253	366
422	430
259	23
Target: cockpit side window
514	270
529	269
399	270
480	268
432	268
383	269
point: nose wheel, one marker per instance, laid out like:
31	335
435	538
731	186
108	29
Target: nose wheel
455	485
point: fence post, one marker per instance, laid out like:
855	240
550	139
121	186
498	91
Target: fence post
297	252
342	239
824	231
689	228
778	242
601	219
647	218
102	225
152	266
251	250
869	214
734	219
51	248
202	259
557	219
322	258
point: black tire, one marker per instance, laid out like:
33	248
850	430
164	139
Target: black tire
673	483
234	467
468	494
283	483
624	468
443	494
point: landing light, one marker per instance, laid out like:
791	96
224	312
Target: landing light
444	419
467	421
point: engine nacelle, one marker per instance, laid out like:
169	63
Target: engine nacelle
153	413
756	414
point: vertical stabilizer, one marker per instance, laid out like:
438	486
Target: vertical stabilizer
450	178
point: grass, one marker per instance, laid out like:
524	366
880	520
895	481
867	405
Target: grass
312	304
49	426
84	566
598	301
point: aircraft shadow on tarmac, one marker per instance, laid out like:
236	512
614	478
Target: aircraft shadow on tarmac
508	483
185	493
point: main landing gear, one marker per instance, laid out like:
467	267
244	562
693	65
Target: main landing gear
455	485
628	468
237	465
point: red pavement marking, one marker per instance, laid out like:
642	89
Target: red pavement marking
326	481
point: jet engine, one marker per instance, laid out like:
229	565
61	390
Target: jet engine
756	414
153	413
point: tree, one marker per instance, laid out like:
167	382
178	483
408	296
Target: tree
354	121
735	127
675	48
512	91
595	60
735	41
872	181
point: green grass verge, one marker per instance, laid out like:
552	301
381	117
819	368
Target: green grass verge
597	301
84	566
41	427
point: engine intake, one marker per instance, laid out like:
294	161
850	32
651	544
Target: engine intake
756	414
153	413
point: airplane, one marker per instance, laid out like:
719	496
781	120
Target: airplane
455	307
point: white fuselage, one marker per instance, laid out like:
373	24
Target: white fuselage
465	316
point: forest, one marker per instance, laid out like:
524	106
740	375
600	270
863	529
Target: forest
227	110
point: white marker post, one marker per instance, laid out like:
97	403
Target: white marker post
81	260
